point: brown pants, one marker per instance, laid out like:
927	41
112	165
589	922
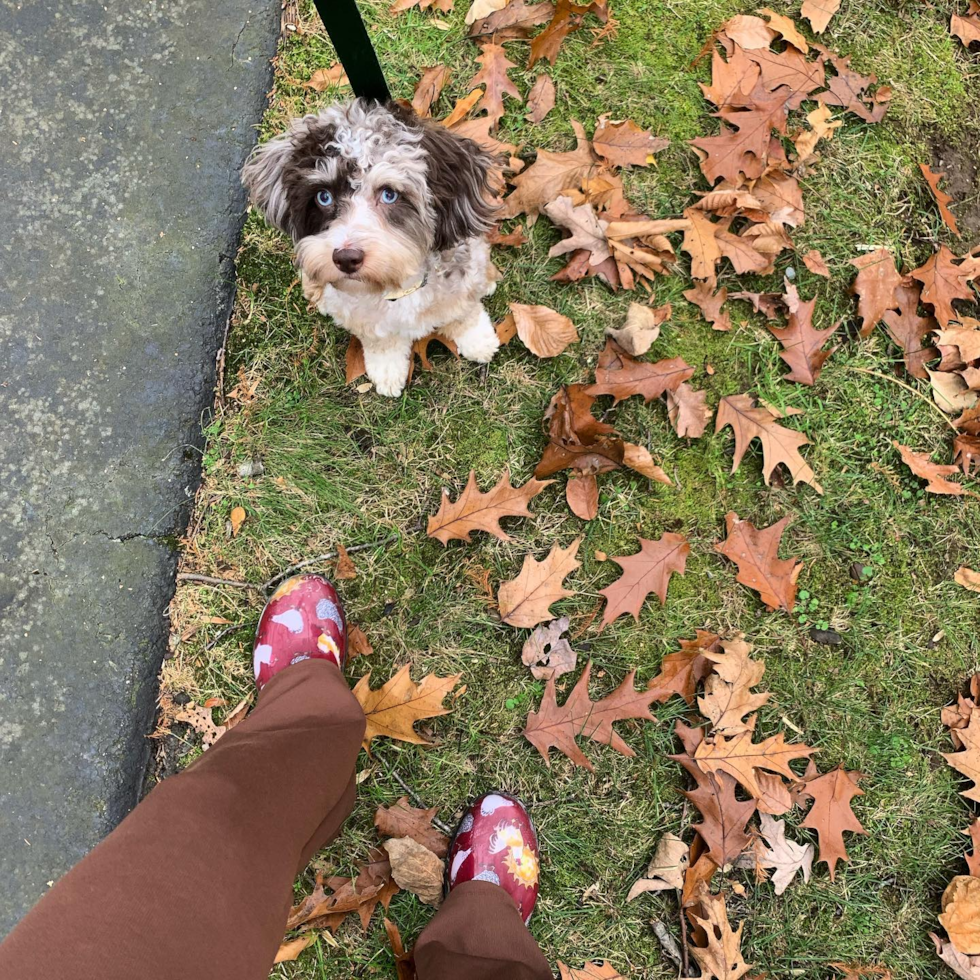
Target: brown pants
197	881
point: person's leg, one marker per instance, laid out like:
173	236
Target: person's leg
480	931
197	881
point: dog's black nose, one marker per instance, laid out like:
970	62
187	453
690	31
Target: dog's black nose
348	260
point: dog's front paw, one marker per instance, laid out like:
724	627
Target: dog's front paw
388	370
480	342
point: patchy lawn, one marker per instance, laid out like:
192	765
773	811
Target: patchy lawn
343	467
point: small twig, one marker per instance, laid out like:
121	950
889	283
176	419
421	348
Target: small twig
902	384
668	944
329	556
685	958
223	633
211	580
417	800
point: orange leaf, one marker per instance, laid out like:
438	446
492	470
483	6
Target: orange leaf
941	197
624	144
831	813
493	75
429	88
544	331
924	468
525	600
759	567
802	344
875	286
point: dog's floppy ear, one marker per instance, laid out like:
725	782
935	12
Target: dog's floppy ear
262	176
459	181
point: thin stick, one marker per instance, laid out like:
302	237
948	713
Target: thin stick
211	580
685	958
667	943
417	800
902	384
329	556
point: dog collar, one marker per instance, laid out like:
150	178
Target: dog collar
401	294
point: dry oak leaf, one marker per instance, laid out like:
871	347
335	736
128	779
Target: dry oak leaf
739	756
741	151
345	570
863	971
968	578
624	144
547	652
393	708
822	126
941	197
961	914
722	958
544	331
404	961
967	761
512	239
622	376
784	857
908	330
553	727
358	644
875	286
727	690
401	819
514	22
641	329
481	9
525	600
493	75
748	32
700	243
802	344
649	570
967	26
324	78
973	859
924	468
566	19
819	12
688	411
666	868
779	444
831	813
476	511
541	99
462	109
587	231
416	869
430	86
946	278
756	552
967	967
596	970
710	303
290	949
576	439
786	28
582	495
682	671
813	260
199	718
850	89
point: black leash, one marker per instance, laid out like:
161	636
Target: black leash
343	22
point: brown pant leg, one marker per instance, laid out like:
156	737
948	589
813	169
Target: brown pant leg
197	881
478	935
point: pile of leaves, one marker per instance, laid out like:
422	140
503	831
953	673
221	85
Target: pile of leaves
961	901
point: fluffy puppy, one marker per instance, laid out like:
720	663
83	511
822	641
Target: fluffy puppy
388	214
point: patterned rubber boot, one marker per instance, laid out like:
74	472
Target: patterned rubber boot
496	842
304	620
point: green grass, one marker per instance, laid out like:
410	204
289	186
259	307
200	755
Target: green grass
349	468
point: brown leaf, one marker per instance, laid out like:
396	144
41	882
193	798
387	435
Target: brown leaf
973	832
355	360
345	570
908	330
875	286
596	970
416	869
961	914
969	579
543	331
200	719
548	653
324	78
819	12
358	644
638	458
941	197
759	567
476	511
624	144
748	32
622	376
429	88
741	151
566	19
813	260
587	231
710	304
393	708
946	278
802	344
742	253
700	243
967	967
722	958
649	570
728	697
404	820
779	444
525	600
493	75
514	22
967	761
666	868
541	99
553	727
688	411
641	329
739	756
547	177
582	495
831	813
576	438
481	9
290	949
924	468
681	672
770	305
513	239
787	29
967	26
850	90
822	126
404	962
462	109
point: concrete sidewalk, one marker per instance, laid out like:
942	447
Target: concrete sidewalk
122	131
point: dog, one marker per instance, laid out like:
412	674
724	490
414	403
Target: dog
388	213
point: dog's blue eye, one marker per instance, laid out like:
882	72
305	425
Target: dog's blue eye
324	198
388	196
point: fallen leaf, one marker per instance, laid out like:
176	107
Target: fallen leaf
237	518
784	857
748	32
324	78
968	578
722	958
587	231
728	697
493	76
849	89
566	19
582	495
680	672
429	88
701	244
576	438
802	344
291	949
514	21
967	967
831	813
950	391
525	600
875	286
941	197
543	331
463	108
688	411
358	644
638	458
393	708
641	329
200	719
924	468
739	756
512	239
624	144
666	868
553	727
355	360
476	511
596	970
416	869
966	453
819	12
779	444
756	552
404	961
483	8
400	6
345	570
973	832
945	278
622	376
710	303
961	914
967	761
813	260
541	99
402	819
967	26
787	30
649	570
547	652
908	330
822	126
